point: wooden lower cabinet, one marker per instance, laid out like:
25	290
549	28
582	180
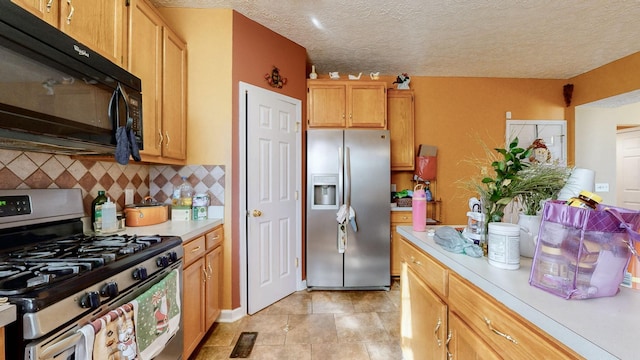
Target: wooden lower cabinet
510	335
476	325
398	218
424	319
193	306
213	284
202	287
464	344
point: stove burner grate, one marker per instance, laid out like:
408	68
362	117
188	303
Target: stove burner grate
50	262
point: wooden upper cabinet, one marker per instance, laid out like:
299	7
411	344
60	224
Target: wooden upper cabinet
46	10
339	104
400	115
97	24
145	61
326	105
174	96
158	57
367	105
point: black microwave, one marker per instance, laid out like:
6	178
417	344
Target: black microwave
59	96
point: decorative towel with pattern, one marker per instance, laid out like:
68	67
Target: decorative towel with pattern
115	335
157	316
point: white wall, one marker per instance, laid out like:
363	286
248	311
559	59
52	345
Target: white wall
596	141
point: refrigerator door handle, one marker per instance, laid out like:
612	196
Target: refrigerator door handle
340	176
347	180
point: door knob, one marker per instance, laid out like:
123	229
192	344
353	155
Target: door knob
257	213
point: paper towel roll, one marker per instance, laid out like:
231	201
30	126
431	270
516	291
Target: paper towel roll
580	179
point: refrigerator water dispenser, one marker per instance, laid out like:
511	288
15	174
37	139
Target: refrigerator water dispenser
324	192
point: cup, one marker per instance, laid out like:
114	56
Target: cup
374	75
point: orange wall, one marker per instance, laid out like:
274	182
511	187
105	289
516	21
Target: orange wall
457	114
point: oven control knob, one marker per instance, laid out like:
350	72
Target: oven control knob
162	261
109	290
173	256
90	300
140	273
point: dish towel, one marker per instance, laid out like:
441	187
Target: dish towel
157	316
84	349
115	335
341	216
126	145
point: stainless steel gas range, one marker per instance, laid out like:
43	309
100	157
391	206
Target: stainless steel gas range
63	281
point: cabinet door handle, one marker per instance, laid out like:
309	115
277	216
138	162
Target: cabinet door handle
168	138
435	332
71	11
210	272
49	3
417	262
449	354
506	336
204	272
161	138
195	249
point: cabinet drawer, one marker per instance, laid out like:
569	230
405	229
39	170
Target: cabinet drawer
214	238
401	217
433	274
193	250
506	332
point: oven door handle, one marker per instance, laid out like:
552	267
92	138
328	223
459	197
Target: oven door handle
57	347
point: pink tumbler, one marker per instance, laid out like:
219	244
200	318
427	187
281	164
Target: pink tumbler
419	208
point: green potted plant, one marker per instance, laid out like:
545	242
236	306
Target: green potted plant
498	191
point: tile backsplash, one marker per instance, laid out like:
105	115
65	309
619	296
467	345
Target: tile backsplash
31	170
205	179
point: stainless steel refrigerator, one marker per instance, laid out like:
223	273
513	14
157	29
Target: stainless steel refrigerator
350	168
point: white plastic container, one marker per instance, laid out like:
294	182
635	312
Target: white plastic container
109	218
504	245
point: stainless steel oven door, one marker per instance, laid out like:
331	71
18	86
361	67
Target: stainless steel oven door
67	343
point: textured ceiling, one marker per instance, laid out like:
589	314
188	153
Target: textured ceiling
477	38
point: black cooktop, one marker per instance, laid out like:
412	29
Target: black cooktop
47	263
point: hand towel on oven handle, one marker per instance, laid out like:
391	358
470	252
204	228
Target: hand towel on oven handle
157	316
115	335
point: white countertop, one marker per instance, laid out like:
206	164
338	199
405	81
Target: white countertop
184	229
7	314
602	328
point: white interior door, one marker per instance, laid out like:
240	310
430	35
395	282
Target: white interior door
628	168
273	201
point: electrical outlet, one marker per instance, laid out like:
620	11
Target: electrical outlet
602	187
128	196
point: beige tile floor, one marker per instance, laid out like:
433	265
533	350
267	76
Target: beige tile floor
317	325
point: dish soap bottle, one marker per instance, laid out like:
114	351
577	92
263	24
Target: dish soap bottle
109	220
96	211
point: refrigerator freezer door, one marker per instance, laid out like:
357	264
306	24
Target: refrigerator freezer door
366	259
324	261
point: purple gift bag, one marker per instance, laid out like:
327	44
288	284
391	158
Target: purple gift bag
583	253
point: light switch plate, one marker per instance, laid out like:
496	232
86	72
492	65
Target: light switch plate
602	187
